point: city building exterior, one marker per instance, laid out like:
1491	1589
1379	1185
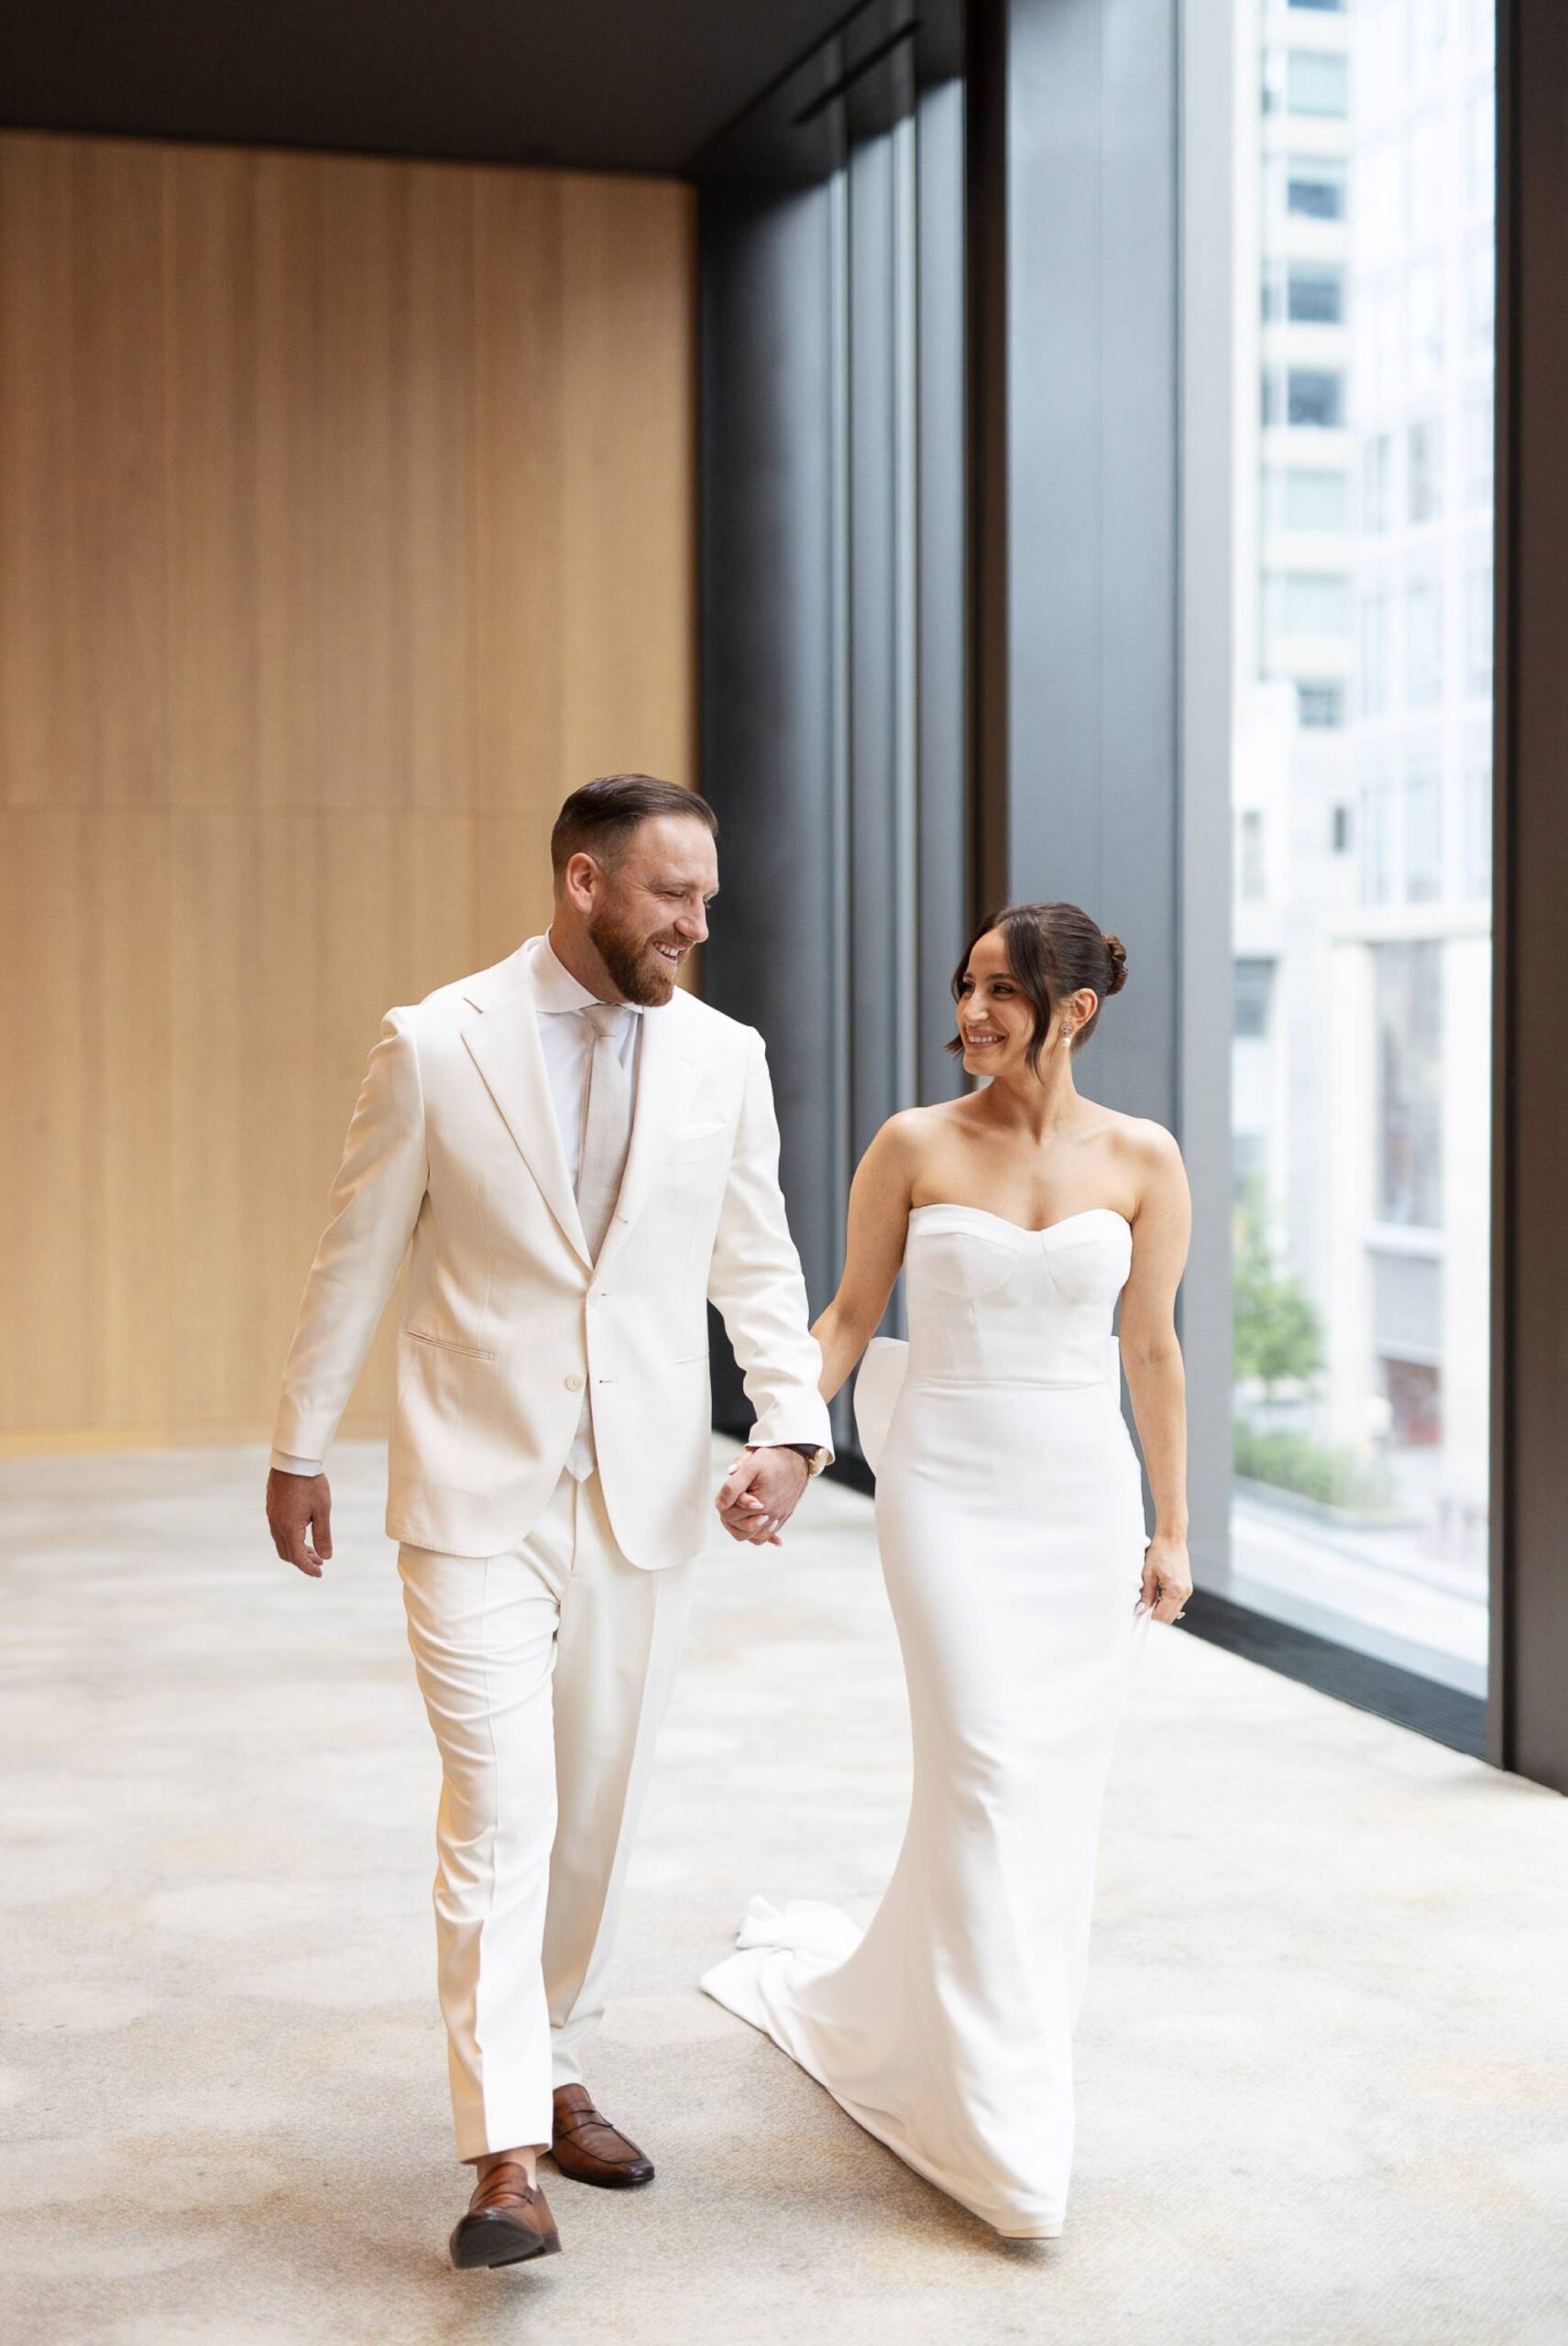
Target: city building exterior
1363	825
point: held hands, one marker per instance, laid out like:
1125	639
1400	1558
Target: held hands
759	1494
297	1504
1168	1578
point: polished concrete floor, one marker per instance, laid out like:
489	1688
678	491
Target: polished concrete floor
1323	2057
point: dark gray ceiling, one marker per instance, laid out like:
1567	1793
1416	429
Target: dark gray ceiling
606	83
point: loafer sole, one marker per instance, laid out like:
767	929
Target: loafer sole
493	2242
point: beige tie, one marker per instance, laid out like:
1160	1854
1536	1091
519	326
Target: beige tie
607	1124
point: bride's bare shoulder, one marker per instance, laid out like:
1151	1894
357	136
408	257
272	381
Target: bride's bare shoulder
913	1133
905	1142
1133	1132
1148	1152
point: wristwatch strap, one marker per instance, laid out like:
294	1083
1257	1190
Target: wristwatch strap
814	1455
813	1452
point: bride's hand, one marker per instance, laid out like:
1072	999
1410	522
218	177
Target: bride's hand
1167	1579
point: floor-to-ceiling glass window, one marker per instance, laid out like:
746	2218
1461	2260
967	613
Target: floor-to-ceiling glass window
1364	245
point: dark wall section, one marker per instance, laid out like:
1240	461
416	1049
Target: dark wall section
1530	1475
1091	460
770	755
833	599
1081	794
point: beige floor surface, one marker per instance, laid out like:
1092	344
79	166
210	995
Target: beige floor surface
1323	2073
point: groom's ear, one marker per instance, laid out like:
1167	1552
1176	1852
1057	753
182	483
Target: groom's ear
582	880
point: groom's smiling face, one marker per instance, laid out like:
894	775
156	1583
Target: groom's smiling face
649	906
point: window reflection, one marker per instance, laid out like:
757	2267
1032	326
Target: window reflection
1364	820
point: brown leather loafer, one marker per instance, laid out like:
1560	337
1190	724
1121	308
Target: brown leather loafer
589	2149
509	2218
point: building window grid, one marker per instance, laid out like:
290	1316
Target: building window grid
1376	678
1376	831
1423	471
1315	187
1308	500
1317	84
1417	814
1320	704
1250	870
1423	643
1305	398
1253	984
1423	840
1377	470
1306	602
1407	995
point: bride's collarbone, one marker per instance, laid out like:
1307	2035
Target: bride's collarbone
1005	1190
1027	1210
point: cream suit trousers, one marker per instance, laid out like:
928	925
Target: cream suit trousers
546	1671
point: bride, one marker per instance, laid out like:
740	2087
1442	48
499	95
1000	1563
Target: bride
1010	1518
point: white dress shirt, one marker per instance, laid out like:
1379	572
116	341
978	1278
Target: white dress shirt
567	1041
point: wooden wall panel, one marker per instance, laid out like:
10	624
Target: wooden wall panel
346	522
632	392
82	716
213	487
521	395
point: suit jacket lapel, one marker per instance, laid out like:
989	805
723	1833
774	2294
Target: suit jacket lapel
667	1077
504	1045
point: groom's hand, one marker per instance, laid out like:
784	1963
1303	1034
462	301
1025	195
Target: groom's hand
298	1505
759	1494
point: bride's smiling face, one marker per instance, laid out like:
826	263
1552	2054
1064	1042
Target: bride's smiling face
996	1018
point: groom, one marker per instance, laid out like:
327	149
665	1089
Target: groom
580	1156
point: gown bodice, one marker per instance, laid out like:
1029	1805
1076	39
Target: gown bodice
990	1302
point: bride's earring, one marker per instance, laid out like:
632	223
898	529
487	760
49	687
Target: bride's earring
1067	1042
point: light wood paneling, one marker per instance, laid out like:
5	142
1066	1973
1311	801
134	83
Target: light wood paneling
346	522
628	358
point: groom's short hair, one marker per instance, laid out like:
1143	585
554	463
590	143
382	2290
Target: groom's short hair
599	818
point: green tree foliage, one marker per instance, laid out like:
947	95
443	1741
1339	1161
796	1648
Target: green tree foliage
1278	1332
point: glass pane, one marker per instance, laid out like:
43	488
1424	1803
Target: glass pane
1306	500
1314	397
1362	788
1316	82
1315	187
1315	293
1319	704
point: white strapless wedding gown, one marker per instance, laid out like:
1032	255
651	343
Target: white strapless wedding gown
1009	1513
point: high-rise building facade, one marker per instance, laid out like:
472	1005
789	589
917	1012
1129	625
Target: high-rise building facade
1363	816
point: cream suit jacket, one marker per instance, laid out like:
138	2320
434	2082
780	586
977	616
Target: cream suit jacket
453	1157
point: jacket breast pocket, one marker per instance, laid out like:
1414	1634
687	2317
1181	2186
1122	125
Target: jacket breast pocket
700	1143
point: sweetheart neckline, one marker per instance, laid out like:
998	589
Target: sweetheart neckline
1025	1230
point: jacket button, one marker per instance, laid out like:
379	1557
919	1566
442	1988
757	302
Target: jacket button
573	1385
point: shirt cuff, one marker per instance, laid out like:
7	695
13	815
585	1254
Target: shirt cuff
286	1464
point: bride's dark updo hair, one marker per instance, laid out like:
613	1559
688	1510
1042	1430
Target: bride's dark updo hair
1053	950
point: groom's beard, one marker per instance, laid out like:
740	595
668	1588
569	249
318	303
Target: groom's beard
636	971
